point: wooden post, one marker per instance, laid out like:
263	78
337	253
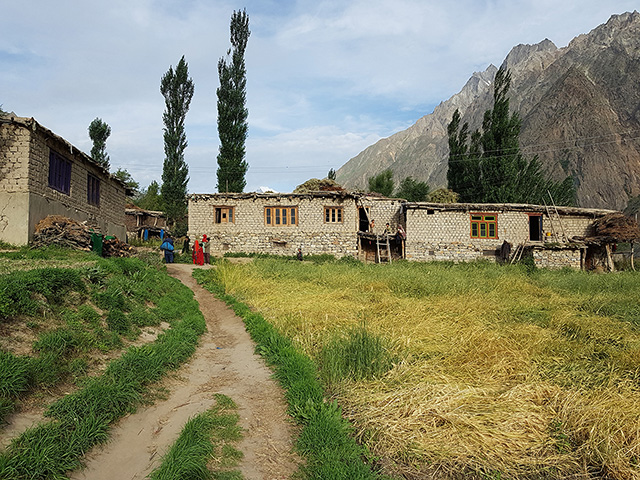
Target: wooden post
610	264
632	253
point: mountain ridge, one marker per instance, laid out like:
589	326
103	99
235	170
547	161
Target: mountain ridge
580	112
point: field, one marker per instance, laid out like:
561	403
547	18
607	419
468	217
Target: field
467	371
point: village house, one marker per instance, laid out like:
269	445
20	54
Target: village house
554	236
144	224
42	174
354	224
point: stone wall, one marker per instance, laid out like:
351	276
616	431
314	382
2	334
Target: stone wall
249	232
24	174
446	235
557	258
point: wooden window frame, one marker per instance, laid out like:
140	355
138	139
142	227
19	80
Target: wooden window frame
220	210
483	226
59	173
281	216
93	190
334	215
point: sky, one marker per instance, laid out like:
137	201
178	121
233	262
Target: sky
325	78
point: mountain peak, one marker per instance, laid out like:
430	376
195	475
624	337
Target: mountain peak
578	105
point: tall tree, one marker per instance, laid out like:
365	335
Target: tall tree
99	131
382	183
491	169
177	89
232	110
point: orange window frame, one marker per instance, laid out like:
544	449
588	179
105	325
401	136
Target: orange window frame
333	214
484	225
224	214
281	216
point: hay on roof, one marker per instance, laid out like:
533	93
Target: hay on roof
617	226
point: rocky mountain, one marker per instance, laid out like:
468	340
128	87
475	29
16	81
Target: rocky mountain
580	111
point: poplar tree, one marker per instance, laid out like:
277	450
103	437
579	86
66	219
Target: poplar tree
177	89
99	131
232	111
491	168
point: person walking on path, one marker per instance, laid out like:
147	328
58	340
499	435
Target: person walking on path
205	247
167	247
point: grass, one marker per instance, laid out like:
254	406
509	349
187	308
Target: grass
62	309
325	439
206	439
489	371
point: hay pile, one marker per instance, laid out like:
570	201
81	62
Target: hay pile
319	185
68	233
617	227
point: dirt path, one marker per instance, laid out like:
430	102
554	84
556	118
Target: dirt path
223	363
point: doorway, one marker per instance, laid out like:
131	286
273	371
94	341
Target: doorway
535	228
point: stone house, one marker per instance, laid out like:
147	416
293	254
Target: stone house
42	174
280	223
342	223
554	236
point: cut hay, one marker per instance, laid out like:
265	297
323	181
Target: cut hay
618	227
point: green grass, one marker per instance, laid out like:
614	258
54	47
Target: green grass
479	357
357	354
325	440
71	331
209	435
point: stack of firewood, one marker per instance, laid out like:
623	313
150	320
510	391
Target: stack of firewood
68	233
61	231
112	247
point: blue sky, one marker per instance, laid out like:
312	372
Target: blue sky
325	78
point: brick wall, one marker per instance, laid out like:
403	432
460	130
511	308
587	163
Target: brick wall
15	143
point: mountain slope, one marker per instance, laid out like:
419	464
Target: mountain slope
580	111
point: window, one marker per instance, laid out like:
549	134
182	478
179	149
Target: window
277	216
332	214
93	190
484	226
59	173
223	215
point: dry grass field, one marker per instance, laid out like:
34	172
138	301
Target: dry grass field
492	372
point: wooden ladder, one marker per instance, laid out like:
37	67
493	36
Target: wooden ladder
388	248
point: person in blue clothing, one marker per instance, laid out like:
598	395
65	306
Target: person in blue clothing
167	247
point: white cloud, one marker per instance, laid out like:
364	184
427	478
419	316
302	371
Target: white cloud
326	78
